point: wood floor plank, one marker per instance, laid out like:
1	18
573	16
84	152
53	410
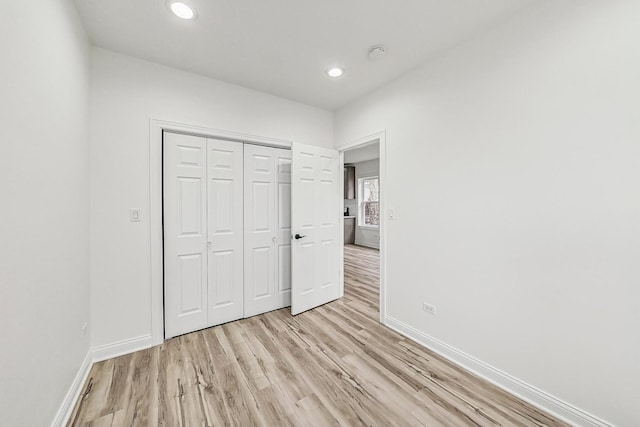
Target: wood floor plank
335	365
312	408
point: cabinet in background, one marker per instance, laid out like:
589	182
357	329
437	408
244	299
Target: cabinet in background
349	231
349	182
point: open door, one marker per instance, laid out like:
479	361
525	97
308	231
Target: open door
316	226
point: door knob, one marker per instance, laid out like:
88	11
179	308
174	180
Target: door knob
297	236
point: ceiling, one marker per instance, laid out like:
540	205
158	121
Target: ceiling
283	47
362	154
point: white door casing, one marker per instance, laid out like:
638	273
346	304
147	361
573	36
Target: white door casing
267	229
316	207
225	165
185	214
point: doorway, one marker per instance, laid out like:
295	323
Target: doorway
364	221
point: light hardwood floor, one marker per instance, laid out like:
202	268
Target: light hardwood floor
334	365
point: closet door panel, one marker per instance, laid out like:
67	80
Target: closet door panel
225	231
283	239
259	229
259	278
221	267
261	273
284	273
265	286
185	240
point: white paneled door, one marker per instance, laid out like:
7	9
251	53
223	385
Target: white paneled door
225	231
203	232
247	229
185	233
316	206
267	229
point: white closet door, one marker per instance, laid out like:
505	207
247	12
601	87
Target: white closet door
185	213
267	229
317	212
225	231
283	231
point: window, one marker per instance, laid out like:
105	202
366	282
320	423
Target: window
369	195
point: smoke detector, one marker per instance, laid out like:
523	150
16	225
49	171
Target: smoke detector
376	52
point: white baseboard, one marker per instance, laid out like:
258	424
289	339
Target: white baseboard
68	403
367	245
96	354
526	392
119	348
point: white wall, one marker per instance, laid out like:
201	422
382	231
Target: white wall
44	207
513	166
367	236
127	92
362	154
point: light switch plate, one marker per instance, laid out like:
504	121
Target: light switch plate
134	215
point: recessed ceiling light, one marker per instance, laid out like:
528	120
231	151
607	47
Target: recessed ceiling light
335	71
182	10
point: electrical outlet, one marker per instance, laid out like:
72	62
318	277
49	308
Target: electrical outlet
431	309
85	328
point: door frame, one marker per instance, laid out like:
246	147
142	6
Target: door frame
156	266
381	138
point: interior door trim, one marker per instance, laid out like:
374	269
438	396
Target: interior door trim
381	138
